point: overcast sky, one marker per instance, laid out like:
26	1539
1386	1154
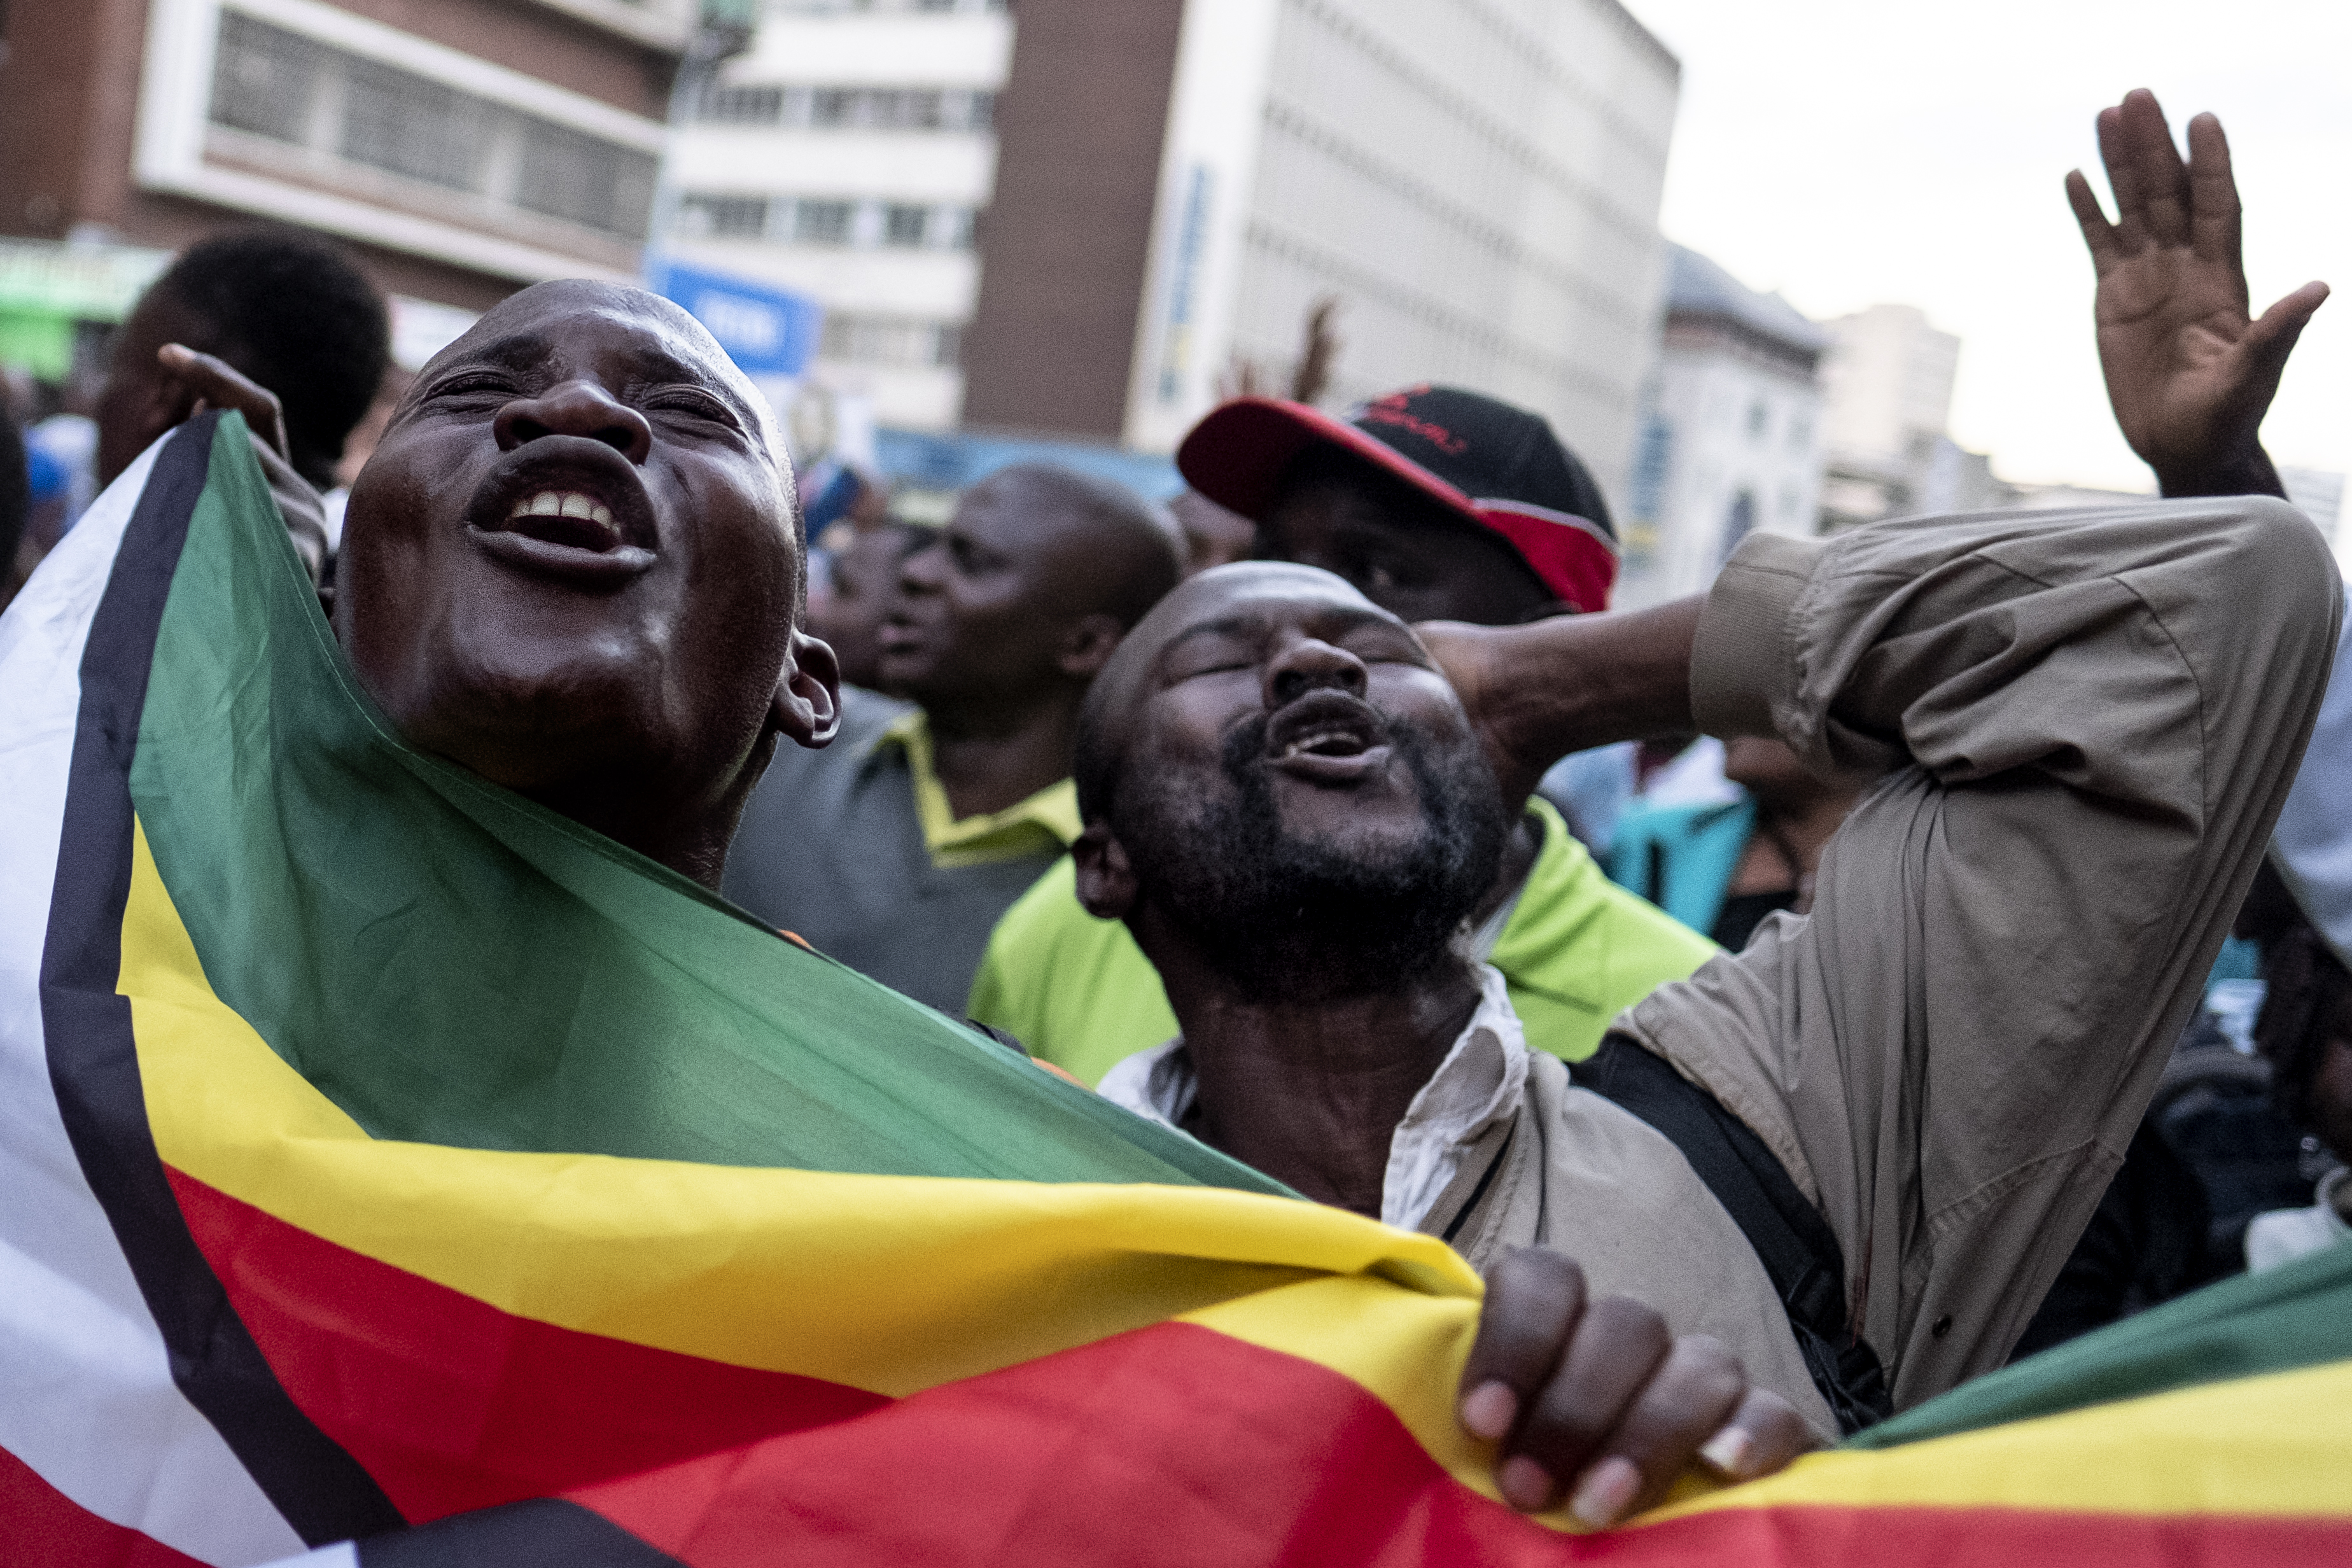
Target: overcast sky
1850	152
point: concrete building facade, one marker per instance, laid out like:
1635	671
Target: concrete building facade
849	155
1475	181
462	147
1731	440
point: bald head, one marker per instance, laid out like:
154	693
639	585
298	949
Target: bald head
1123	553
1026	591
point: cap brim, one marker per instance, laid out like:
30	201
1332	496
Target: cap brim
1239	451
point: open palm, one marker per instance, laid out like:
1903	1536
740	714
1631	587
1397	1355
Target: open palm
2190	372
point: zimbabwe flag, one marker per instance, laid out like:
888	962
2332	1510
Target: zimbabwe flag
391	1168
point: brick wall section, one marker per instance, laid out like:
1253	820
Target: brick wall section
69	109
1065	238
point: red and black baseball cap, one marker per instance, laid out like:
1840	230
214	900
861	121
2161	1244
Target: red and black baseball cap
1495	465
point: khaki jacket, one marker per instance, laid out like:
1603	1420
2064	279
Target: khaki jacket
2088	720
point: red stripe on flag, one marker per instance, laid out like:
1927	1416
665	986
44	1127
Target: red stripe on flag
1175	1444
1172	1443
451	1403
40	1527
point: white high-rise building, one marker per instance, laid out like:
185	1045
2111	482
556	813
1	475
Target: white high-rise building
1082	219
848	155
1888	379
1888	397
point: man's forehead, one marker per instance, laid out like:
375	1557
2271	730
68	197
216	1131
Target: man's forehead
1265	597
564	327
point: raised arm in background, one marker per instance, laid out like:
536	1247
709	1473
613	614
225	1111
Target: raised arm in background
2190	373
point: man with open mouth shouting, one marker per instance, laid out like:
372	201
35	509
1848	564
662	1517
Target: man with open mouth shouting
1856	1153
572	565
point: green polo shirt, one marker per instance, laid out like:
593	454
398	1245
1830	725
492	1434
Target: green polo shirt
1576	951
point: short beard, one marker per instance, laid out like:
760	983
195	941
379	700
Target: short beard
1282	920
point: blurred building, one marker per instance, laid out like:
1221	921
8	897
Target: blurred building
1887	401
1179	181
462	147
848	155
1731	441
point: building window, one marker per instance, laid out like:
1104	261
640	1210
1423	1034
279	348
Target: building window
743	105
897	342
264	79
823	223
273	83
1759	416
849	108
723	217
839	8
825	220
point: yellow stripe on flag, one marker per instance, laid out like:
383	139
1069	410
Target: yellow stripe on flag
2277	1446
890	1284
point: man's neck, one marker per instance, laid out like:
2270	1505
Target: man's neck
1311	1092
998	755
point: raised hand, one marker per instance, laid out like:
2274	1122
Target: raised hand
1593	1398
197	381
200	381
2190	372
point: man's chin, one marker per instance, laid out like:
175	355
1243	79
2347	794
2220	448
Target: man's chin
535	724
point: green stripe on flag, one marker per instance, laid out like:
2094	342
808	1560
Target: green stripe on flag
452	963
2296	1316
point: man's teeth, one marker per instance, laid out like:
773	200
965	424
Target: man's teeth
563	503
1327	742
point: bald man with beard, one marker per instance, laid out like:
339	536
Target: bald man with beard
1856	1153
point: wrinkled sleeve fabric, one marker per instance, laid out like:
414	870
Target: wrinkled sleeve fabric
2086	721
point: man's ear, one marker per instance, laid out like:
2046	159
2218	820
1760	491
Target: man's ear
1106	881
1088	645
807	706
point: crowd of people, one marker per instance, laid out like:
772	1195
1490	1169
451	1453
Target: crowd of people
1769	1108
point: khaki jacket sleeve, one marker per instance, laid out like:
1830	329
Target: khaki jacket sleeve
2088	719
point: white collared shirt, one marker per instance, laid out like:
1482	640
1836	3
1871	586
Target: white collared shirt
1482	1081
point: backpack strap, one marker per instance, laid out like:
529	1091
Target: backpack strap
1798	1251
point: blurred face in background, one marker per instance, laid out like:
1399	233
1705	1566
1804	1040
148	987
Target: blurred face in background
864	588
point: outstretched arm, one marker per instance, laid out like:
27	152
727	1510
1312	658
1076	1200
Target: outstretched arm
2190	372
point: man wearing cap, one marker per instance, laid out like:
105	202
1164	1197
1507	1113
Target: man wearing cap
896	849
1437	504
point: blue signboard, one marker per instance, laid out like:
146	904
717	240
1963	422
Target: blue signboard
765	330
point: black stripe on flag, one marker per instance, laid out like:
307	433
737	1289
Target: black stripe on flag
94	1061
545	1532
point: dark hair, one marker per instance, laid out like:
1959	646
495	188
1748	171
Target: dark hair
292	311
